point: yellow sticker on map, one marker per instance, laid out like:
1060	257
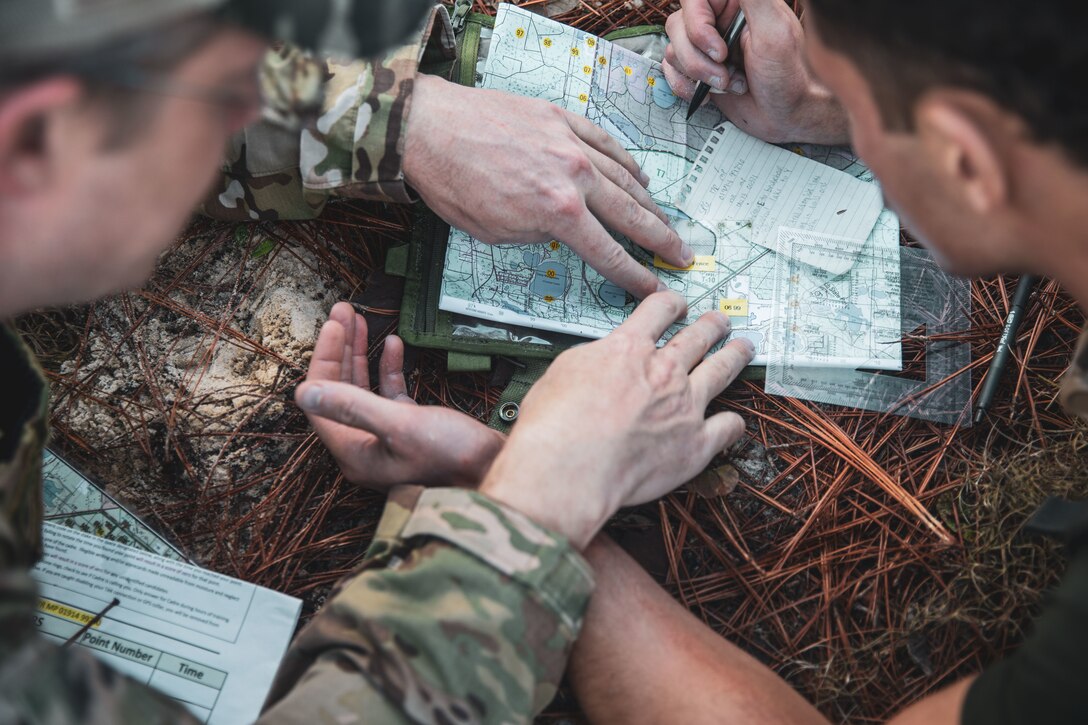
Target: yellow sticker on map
734	308
705	263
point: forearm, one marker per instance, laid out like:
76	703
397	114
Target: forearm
641	655
463	607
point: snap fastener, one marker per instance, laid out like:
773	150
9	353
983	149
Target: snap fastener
508	412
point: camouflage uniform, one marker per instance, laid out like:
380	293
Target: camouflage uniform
463	611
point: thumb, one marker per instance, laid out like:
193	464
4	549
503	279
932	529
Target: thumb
350	405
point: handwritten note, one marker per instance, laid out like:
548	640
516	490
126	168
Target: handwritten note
737	176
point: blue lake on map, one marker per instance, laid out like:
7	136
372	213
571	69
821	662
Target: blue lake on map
550	279
663	95
612	295
854	318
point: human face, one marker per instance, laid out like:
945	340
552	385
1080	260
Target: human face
929	192
105	214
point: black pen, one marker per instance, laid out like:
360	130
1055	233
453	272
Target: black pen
1004	346
732	42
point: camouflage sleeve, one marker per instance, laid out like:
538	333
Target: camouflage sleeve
465	611
354	147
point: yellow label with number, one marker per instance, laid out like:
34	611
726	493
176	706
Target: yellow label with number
651	81
734	308
575	52
554	245
584	98
66	612
628	70
602	60
705	263
549	298
547	42
520	32
587	69
591	42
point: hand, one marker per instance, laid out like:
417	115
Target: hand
620	421
510	169
776	97
383	441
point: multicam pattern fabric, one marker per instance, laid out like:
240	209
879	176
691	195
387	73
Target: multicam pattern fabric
352	148
22	436
464	611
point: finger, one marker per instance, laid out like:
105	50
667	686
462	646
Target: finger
721	432
344	313
720	369
592	243
622	213
682	86
701	20
327	362
695	63
623	179
349	405
691	344
603	142
738	83
391	371
360	360
654	315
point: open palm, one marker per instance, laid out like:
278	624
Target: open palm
384	440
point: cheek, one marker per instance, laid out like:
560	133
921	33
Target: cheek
155	186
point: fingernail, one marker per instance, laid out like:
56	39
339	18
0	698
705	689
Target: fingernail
714	54
311	397
728	322
751	345
644	178
687	254
738	86
661	286
718	83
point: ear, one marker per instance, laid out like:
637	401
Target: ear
964	149
25	114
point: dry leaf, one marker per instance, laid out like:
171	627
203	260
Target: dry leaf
715	482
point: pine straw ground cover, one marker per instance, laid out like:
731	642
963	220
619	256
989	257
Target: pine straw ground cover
819	562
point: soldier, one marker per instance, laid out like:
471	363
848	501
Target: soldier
972	114
112	118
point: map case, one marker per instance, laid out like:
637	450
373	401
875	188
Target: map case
547	287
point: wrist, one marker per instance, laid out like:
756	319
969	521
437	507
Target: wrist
527	484
423	90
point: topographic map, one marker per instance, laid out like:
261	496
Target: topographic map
547	286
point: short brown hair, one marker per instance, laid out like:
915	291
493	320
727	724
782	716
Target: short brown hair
1029	58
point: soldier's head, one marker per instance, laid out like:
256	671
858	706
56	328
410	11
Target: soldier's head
973	115
114	116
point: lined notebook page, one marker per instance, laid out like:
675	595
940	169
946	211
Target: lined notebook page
737	176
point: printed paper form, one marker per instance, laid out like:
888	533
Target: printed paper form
737	176
204	639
